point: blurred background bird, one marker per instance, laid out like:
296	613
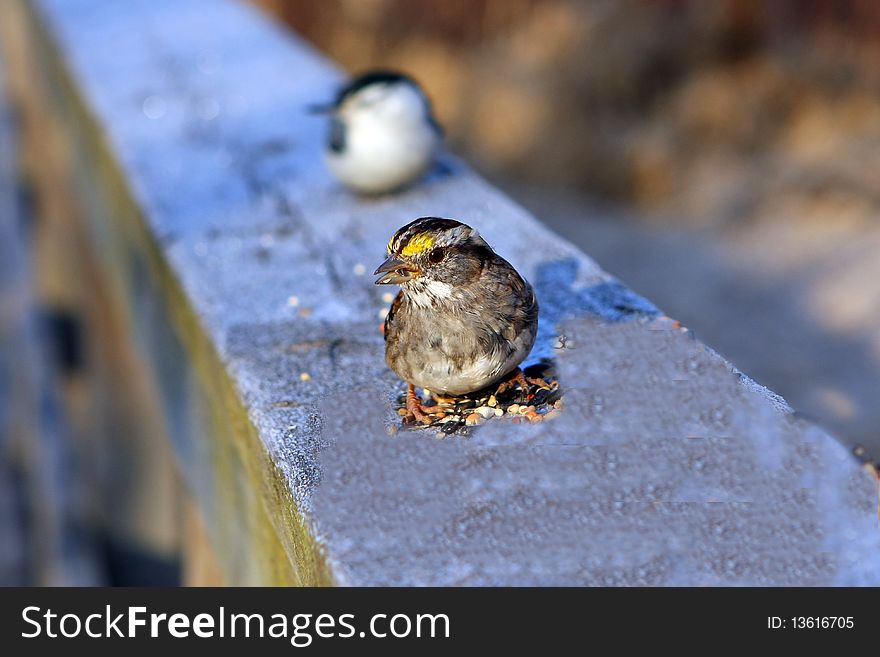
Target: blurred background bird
383	135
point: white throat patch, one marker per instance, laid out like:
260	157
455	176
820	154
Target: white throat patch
427	294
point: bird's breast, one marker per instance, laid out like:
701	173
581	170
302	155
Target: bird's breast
450	353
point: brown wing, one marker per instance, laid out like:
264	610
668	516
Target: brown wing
391	312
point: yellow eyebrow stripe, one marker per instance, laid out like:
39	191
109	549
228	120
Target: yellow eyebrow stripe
418	244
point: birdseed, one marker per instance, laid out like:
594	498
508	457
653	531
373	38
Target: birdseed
457	415
474	419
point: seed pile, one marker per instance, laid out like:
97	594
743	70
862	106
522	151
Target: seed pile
450	415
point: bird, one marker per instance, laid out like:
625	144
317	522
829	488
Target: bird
383	134
463	320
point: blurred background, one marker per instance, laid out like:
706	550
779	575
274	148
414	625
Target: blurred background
721	158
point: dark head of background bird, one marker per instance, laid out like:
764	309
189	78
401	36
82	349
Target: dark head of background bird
375	78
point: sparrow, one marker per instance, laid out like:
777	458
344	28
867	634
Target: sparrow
383	135
464	318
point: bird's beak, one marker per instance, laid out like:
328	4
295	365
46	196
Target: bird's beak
394	272
320	108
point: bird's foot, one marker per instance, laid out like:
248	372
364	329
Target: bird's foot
517	378
416	412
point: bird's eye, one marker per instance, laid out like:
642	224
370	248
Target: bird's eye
436	255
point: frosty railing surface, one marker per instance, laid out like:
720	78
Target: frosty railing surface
236	271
